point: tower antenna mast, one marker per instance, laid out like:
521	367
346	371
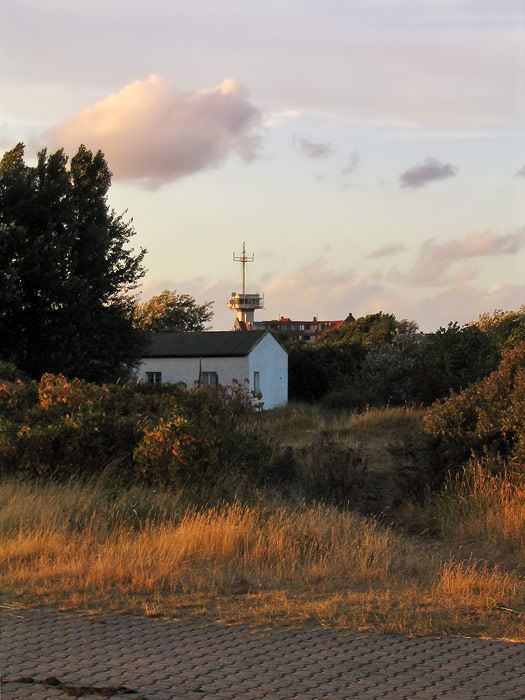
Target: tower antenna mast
243	258
245	304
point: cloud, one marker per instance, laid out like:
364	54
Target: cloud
277	118
317	289
461	303
427	171
153	133
352	163
314	150
521	172
386	250
434	259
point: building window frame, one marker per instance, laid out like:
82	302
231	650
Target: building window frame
210	379
154	377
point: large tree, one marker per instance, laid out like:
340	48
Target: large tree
66	269
172	312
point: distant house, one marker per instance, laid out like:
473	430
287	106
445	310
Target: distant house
301	331
218	357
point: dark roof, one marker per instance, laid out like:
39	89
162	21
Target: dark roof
203	344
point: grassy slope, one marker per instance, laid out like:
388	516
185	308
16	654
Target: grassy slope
269	562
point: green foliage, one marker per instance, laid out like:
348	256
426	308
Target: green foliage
9	372
486	420
452	358
377	360
367	331
349	398
390	370
65	268
160	435
172	312
505	328
315	370
335	366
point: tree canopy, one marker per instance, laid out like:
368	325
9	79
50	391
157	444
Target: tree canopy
66	268
170	311
367	331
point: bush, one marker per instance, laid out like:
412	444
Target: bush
348	399
10	373
485	420
452	359
161	435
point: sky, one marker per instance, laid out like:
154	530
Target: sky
371	153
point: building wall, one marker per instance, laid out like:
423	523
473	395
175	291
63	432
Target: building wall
186	369
271	361
298	331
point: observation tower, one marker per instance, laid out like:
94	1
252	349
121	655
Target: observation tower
245	304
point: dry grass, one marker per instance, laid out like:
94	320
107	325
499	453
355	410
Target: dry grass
370	432
85	547
482	509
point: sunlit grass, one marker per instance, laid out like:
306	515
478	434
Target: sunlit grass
483	509
86	547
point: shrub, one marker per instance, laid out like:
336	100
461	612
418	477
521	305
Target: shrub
351	398
452	359
487	419
390	370
161	435
10	372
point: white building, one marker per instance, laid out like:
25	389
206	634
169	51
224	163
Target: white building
218	357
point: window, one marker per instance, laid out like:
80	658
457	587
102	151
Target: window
210	379
154	377
256	382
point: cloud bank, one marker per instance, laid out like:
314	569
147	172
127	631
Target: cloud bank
434	260
315	150
153	133
429	170
521	172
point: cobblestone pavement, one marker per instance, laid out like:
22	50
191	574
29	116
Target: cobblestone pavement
49	655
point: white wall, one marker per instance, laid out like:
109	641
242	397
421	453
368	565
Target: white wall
186	369
271	361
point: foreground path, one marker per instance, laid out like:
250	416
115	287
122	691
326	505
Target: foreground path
48	655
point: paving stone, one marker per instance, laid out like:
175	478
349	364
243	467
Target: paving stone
163	660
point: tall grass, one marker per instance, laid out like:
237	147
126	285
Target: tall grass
482	507
87	547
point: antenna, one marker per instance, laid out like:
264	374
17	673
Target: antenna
245	304
243	258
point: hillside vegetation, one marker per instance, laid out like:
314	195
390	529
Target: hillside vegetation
164	501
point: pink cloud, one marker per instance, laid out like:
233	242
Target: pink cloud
434	260
153	133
